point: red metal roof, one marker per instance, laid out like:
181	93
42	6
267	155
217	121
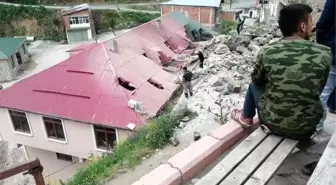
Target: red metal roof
85	86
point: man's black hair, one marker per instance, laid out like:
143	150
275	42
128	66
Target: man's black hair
292	16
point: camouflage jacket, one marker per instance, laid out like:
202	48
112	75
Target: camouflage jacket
294	74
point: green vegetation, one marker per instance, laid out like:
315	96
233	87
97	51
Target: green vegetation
227	26
74	2
129	153
110	19
47	24
145	7
33	21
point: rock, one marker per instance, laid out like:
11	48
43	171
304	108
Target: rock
218	83
254	48
222	49
278	33
197	136
237	40
237	89
274	40
242	69
234	68
262	41
241	49
185	119
173	141
182	125
195	180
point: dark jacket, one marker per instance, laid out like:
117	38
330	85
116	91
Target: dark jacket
201	57
325	28
187	76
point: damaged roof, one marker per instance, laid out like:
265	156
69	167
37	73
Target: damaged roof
74	9
206	3
86	86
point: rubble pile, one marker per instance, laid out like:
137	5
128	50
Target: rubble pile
228	65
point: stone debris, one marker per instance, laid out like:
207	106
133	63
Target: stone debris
174	141
181	125
197	136
226	76
185	119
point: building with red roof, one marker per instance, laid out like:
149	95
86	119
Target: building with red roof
83	105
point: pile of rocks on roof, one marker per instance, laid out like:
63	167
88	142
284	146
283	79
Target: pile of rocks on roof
228	65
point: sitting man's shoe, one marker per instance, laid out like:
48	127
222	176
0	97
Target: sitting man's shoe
308	169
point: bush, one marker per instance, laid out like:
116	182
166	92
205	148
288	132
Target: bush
34	21
110	19
130	152
227	26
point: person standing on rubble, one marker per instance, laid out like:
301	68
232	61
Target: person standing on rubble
186	82
325	34
201	59
241	21
287	80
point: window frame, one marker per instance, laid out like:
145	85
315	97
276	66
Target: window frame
78	20
101	149
57	157
20	132
65	141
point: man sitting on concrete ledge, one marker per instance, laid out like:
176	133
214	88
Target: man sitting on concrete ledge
288	79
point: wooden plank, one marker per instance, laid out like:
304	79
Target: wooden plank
252	162
13	170
234	158
325	172
273	162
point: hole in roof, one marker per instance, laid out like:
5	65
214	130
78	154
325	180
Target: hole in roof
167	44
126	84
155	84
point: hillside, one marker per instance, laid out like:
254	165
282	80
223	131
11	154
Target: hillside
73	2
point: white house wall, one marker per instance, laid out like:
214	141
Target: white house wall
80	136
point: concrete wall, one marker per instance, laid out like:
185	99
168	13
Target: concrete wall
53	168
7	73
204	15
229	16
80	139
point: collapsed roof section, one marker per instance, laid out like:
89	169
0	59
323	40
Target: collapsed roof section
96	83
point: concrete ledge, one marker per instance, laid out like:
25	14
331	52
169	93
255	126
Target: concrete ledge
202	153
162	175
228	134
196	157
189	162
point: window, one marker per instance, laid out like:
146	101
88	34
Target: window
105	137
64	157
79	20
18	56
54	128
20	121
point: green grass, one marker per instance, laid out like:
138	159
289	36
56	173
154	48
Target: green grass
145	7
227	26
155	134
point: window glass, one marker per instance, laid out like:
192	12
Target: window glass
105	137
20	121
64	157
54	128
